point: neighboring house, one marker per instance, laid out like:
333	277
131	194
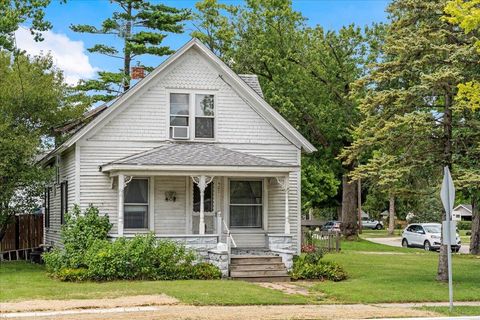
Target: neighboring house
462	212
188	153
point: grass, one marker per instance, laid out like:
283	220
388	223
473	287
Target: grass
23	281
368	233
457	311
381	273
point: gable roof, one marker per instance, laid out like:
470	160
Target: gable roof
251	97
467	207
194	154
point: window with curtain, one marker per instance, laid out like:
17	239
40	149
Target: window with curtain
246	205
136	204
204	116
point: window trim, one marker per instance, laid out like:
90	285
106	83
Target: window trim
192	113
148	204
47	207
263	219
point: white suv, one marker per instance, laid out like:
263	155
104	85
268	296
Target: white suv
427	236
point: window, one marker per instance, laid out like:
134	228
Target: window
179	115
204	116
136	204
207	198
246	204
47	207
63	201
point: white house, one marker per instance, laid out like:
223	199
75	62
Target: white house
462	212
192	153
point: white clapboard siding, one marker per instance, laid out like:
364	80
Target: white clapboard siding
170	216
67	173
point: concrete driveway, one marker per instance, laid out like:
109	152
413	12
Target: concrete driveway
397	242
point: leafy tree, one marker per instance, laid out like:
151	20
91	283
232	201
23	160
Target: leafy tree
33	101
409	107
466	14
142	26
305	75
14	13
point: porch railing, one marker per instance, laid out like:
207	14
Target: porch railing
221	224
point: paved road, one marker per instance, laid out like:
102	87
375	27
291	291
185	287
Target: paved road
397	242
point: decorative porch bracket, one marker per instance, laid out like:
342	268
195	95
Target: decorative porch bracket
202	182
122	183
283	182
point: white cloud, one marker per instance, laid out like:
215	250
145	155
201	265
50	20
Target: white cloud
68	55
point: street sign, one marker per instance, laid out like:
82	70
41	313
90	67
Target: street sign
447	194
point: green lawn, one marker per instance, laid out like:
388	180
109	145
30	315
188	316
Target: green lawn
381	273
22	281
457	311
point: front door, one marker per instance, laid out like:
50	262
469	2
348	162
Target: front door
208	208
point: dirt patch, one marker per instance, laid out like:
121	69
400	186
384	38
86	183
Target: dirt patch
59	305
285	287
251	312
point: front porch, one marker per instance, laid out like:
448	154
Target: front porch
210	207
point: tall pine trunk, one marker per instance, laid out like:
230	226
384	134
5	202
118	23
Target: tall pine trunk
127	58
349	208
442	272
475	237
391	215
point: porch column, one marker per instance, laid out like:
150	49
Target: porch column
121	188
202	183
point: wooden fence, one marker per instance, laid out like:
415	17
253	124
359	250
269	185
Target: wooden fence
325	240
25	232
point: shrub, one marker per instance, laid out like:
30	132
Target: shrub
464	225
89	255
311	266
206	271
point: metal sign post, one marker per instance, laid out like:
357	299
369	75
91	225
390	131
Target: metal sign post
447	194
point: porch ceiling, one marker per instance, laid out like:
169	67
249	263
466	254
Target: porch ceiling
190	157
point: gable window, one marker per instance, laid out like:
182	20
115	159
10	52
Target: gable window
192	116
63	201
179	115
204	116
48	191
246	204
136	204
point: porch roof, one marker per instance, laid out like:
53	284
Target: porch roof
195	156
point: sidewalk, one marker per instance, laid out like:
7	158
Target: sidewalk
179	311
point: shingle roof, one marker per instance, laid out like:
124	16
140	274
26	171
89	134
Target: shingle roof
197	154
252	81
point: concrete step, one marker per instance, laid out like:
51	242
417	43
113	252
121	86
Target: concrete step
265	279
257	266
258	273
255	260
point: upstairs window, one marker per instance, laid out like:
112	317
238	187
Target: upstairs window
204	116
192	116
179	115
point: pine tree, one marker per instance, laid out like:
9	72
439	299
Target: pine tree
409	109
142	26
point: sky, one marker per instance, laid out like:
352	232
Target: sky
69	49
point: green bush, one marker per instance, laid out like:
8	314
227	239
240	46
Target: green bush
311	266
464	225
87	254
206	271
